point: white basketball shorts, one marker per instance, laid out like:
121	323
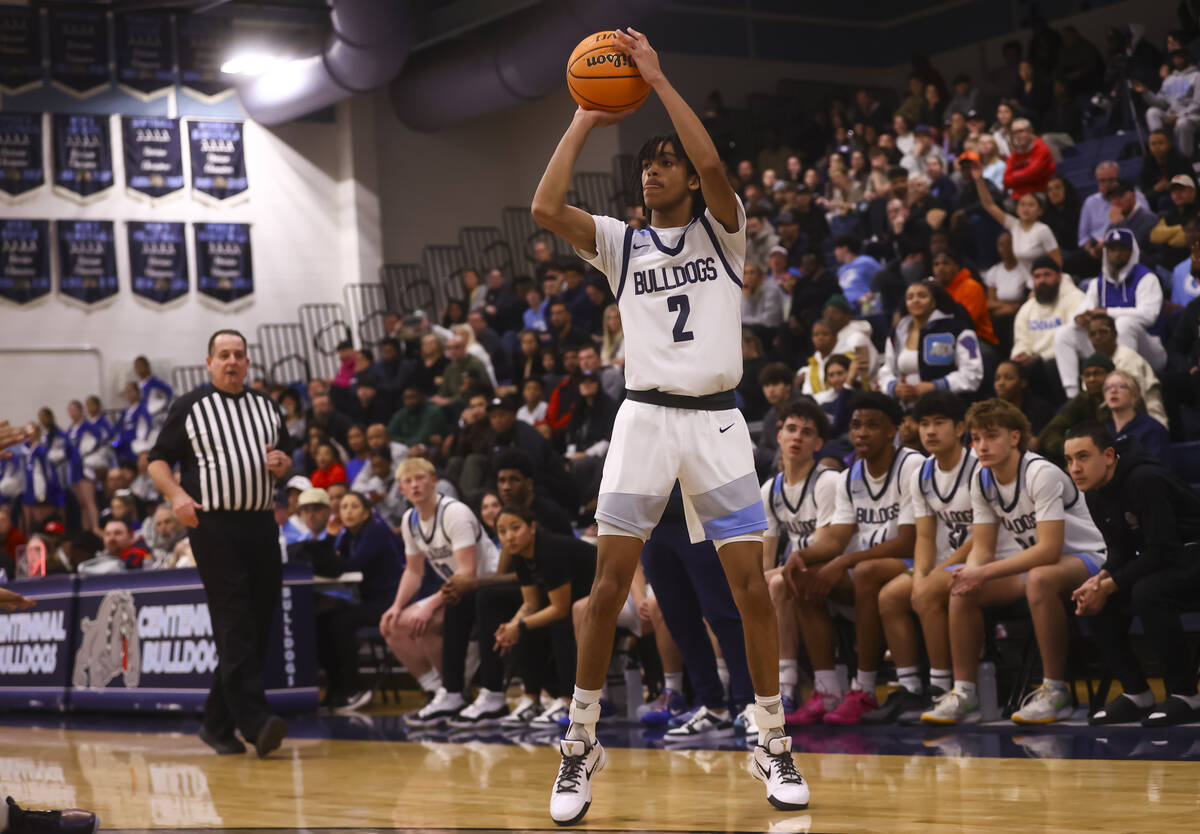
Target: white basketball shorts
708	452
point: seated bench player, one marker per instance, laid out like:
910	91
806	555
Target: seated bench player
1057	548
873	501
1150	520
941	496
799	501
431	637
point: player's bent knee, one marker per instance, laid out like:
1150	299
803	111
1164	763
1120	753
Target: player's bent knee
777	586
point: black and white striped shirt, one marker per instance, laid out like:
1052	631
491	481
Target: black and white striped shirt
220	442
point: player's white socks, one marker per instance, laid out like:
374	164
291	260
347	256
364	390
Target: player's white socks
866	681
772	705
431	681
968	688
673	680
827	682
1053	684
585	712
788	676
942	679
1144	699
909	679
723	674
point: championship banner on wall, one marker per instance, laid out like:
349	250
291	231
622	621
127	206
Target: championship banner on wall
203	43
145	641
218	159
20	49
87	260
22	168
83	166
79	54
145	59
224	269
153	156
157	261
24	260
36	645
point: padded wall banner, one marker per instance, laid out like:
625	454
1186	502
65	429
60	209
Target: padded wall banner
20	49
218	159
24	260
153	156
79	55
83	165
224	270
87	260
22	165
37	646
158	261
203	43
145	55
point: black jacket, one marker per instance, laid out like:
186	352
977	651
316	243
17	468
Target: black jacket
1149	518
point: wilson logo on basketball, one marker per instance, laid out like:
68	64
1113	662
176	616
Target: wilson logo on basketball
616	59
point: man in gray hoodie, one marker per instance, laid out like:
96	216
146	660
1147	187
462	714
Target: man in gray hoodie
1176	105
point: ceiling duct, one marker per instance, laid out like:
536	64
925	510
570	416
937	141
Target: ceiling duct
520	60
366	49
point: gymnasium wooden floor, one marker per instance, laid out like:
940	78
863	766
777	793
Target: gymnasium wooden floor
151	773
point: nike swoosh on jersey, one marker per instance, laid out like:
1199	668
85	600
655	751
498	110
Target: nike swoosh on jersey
636	247
727	428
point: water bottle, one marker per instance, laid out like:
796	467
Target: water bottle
989	709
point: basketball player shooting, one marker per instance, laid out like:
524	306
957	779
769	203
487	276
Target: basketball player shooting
678	286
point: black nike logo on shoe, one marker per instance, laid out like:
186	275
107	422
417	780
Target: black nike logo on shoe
766	773
727	428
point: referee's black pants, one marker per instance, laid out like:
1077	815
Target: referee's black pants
240	564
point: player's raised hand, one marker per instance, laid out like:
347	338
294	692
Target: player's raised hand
634	44
599	118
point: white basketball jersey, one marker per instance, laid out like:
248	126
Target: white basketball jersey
452	528
878	506
1040	492
680	296
946	495
797	510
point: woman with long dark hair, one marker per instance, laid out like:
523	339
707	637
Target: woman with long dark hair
369	546
1061	212
933	346
553	572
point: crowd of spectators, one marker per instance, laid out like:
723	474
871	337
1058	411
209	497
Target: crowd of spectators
934	247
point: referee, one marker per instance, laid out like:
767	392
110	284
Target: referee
231	446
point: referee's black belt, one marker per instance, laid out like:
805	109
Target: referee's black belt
721	401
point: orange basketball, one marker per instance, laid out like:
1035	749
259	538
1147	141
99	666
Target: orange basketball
602	77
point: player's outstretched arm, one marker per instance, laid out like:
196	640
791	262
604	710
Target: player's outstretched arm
550	209
718	193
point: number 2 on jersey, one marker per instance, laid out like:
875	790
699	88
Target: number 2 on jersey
680	305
